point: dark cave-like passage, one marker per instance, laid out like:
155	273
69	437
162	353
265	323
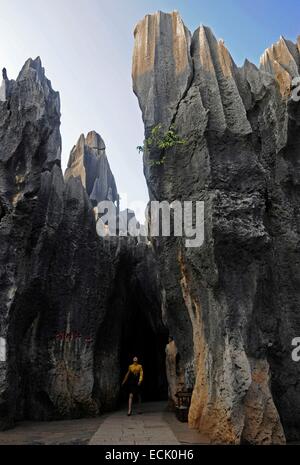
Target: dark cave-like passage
140	340
133	327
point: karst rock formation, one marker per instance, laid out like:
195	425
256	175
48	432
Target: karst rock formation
232	305
88	161
71	301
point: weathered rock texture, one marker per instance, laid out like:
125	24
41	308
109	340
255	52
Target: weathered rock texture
75	307
88	161
232	305
175	373
62	286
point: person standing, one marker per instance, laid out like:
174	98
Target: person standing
133	380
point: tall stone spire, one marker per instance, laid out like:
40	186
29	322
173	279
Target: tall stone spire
4	89
89	162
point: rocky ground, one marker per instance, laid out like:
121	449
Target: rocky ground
155	425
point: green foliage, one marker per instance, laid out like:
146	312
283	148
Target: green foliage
157	162
162	141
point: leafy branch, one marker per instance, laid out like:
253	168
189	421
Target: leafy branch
162	141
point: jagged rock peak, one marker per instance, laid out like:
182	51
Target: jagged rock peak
4	74
29	106
162	49
31	66
88	161
167	63
282	60
215	75
33	71
95	141
4	88
213	51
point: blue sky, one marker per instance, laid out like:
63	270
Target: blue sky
86	48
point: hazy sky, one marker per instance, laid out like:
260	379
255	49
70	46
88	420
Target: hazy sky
86	48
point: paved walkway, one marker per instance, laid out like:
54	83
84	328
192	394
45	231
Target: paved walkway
70	432
154	426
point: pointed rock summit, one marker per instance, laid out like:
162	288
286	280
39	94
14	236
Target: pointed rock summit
162	66
31	110
4	88
282	60
89	162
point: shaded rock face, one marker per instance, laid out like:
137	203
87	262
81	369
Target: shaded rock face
60	284
133	326
231	305
29	150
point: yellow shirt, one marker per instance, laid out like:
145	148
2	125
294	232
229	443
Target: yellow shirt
136	369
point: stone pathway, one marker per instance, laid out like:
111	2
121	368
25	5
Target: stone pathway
155	426
71	432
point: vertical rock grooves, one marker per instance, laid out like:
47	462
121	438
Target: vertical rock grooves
161	38
88	161
29	152
232	304
72	304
